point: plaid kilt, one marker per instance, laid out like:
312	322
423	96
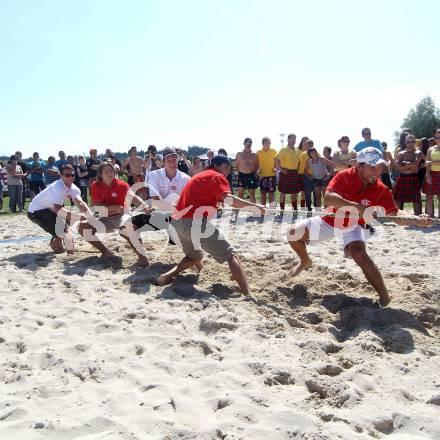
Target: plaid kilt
290	183
434	188
407	188
26	188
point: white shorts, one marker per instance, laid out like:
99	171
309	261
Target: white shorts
319	230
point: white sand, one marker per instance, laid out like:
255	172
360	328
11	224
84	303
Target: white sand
92	352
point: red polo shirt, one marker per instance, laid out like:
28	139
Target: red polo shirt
349	185
205	189
114	194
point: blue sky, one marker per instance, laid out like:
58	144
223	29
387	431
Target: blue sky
111	73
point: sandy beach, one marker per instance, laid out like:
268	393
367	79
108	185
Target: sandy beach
92	351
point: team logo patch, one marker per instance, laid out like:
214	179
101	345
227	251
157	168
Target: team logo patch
114	195
174	188
365	202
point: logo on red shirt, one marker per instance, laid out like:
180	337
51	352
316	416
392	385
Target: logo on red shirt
365	202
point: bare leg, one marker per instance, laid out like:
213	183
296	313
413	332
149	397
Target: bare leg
358	252
238	274
86	231
272	202
283	200
300	247
184	264
240	192
68	241
252	195
263	198
417	208
142	259
430	206
303	199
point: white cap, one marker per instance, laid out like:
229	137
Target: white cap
371	156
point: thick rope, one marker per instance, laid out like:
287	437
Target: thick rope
306	214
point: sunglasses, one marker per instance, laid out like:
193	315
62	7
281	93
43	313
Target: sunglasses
68	175
345	141
366	132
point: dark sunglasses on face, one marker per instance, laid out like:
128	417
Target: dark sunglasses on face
68	175
366	132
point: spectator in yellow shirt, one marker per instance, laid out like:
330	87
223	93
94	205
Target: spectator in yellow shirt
266	170
290	181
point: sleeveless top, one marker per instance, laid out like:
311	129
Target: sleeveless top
435	155
318	170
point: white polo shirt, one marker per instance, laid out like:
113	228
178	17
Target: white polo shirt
54	194
161	186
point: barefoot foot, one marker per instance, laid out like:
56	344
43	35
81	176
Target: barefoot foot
302	265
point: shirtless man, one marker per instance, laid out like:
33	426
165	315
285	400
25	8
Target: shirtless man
135	165
247	164
407	188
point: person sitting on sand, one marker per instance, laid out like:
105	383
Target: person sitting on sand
116	197
354	189
190	225
47	207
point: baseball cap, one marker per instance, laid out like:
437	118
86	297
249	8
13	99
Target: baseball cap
345	139
371	156
247	140
168	151
219	159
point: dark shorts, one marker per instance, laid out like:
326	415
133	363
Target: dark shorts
247	181
321	182
268	184
290	183
407	188
386	180
152	222
37	186
45	219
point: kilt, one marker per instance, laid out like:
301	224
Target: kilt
26	188
407	188
290	183
434	188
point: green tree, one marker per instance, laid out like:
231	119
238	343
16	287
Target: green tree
422	120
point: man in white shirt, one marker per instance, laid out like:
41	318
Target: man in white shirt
165	186
48	206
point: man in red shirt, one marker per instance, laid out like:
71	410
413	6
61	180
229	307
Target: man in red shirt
191	229
354	193
112	198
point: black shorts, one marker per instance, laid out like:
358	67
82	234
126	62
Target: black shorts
45	219
37	186
152	222
247	181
